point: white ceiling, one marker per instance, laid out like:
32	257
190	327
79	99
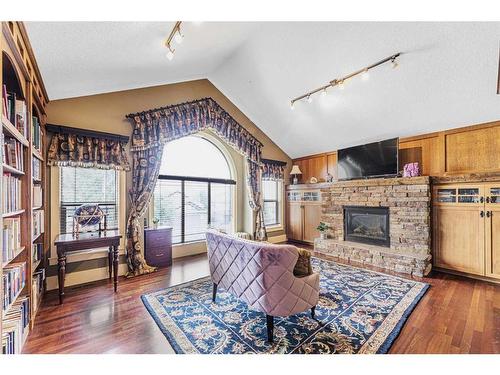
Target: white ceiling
447	75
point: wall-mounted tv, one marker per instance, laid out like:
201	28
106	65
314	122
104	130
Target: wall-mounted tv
371	160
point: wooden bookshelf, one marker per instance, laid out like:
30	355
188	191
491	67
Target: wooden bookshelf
26	93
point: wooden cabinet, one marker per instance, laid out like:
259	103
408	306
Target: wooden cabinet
303	215
158	246
466	222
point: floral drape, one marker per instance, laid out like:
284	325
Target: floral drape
273	170
94	151
152	129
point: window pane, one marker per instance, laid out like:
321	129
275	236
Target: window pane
221	215
194	157
270	216
167	206
87	185
269	189
196	210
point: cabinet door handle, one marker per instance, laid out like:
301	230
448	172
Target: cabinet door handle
481	200
487	199
482	214
488	213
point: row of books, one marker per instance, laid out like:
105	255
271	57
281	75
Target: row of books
38	223
13	154
37	196
11	232
37	133
37	286
16	326
14	280
15	110
37	169
11	193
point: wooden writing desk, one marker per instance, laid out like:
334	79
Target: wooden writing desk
67	243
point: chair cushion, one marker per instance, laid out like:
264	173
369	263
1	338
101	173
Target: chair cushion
303	266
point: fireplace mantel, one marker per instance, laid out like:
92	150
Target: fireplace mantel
408	201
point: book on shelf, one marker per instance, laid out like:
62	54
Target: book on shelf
37	286
14	280
11	238
38	223
37	133
13	153
37	252
15	110
37	196
37	169
11	193
16	326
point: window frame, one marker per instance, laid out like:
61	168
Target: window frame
209	182
63	204
278	204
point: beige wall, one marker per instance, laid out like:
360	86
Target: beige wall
106	113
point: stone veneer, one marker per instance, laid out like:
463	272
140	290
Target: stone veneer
408	200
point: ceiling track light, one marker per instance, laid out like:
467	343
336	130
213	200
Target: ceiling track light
175	35
340	81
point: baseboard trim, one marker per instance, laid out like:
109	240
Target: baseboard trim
468	275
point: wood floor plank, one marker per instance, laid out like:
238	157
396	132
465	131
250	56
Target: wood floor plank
456	315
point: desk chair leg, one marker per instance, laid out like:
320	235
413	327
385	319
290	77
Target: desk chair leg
214	292
313	312
110	261
270	328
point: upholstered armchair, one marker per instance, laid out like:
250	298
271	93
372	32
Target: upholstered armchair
262	275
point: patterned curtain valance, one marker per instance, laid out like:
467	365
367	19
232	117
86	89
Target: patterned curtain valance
273	169
82	148
161	125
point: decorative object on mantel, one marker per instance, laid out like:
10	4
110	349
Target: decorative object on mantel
313	180
176	35
273	170
341	81
154	128
329	178
369	322
85	148
411	170
87	216
294	172
322	228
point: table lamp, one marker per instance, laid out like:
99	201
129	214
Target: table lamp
294	172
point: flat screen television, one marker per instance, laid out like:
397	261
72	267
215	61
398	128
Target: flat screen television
371	160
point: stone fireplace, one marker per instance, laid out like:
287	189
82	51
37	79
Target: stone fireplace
367	225
383	222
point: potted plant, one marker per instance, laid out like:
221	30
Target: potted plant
322	228
155	222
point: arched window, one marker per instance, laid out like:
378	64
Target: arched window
194	189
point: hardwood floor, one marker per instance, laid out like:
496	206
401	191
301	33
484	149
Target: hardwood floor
457	315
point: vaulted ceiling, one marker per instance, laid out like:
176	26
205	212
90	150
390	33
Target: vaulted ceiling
447	75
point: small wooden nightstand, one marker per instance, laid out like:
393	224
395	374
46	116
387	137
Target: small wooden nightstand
158	246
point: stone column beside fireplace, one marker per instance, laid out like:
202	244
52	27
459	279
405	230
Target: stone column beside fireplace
408	200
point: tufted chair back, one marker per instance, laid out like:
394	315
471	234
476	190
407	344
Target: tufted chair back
261	274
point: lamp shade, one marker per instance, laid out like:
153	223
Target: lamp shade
295	170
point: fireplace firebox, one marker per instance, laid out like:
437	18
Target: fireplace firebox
367	225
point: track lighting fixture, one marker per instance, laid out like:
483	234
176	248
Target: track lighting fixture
175	35
339	82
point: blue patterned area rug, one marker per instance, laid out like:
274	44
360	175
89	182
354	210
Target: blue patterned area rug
359	311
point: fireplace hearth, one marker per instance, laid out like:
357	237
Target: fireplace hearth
367	225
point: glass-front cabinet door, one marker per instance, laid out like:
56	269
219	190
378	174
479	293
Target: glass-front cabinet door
466	194
493	194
